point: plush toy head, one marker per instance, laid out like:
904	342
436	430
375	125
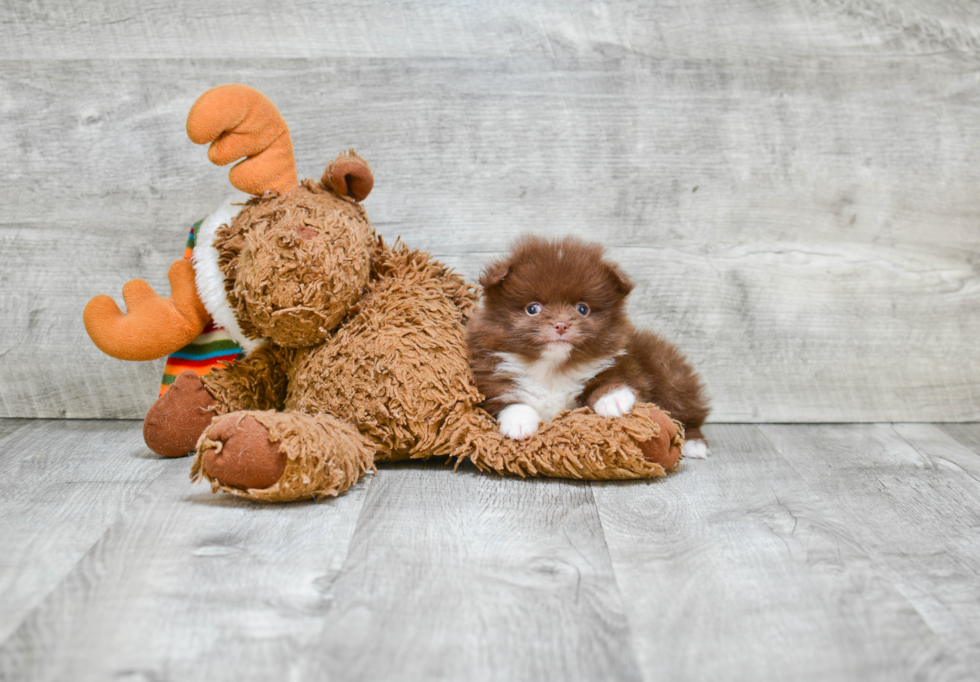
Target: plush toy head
293	265
286	267
295	259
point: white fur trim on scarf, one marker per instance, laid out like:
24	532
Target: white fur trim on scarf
210	280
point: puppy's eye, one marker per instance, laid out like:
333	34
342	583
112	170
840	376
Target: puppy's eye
533	309
582	309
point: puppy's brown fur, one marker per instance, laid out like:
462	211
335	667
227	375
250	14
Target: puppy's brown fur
559	275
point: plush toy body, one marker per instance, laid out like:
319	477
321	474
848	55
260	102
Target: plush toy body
354	349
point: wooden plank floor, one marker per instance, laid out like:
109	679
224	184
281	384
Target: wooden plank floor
794	553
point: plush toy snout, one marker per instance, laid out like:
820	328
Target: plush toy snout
301	326
295	291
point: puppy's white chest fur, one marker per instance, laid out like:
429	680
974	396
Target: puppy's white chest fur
543	384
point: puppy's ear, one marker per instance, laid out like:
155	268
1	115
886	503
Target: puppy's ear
620	280
494	274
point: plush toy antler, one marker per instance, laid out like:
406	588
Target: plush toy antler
152	326
240	121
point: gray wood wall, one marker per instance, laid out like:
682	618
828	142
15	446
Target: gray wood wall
792	183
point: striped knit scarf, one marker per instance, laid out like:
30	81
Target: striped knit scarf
202	354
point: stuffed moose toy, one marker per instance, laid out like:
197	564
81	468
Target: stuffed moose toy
352	349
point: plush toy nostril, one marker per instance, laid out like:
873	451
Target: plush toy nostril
305	232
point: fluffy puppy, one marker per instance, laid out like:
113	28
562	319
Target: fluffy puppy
552	334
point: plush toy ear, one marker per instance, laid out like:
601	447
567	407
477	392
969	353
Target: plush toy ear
494	273
620	279
349	175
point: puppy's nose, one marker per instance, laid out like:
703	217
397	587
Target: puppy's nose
561	327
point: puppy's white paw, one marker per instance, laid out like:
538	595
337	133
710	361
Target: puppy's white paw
696	449
616	403
519	421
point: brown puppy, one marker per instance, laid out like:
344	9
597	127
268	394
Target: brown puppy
552	334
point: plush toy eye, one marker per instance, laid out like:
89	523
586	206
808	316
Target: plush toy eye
582	309
533	309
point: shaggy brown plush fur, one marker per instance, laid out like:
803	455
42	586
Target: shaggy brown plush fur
397	369
255	382
578	444
365	357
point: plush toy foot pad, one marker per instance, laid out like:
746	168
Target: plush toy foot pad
665	449
178	417
246	457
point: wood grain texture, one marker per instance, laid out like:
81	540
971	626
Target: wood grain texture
466	576
7	427
955	445
918	513
373	28
794	553
448	576
189	586
966	434
62	484
792	185
737	568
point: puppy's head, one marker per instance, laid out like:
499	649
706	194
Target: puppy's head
557	298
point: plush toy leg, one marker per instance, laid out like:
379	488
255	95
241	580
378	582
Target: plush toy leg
282	456
178	417
643	444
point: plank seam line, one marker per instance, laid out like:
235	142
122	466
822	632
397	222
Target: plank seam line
880	566
619	589
932	457
942	427
357	525
43	598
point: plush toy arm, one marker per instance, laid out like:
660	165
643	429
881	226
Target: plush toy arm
645	443
257	381
152	326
